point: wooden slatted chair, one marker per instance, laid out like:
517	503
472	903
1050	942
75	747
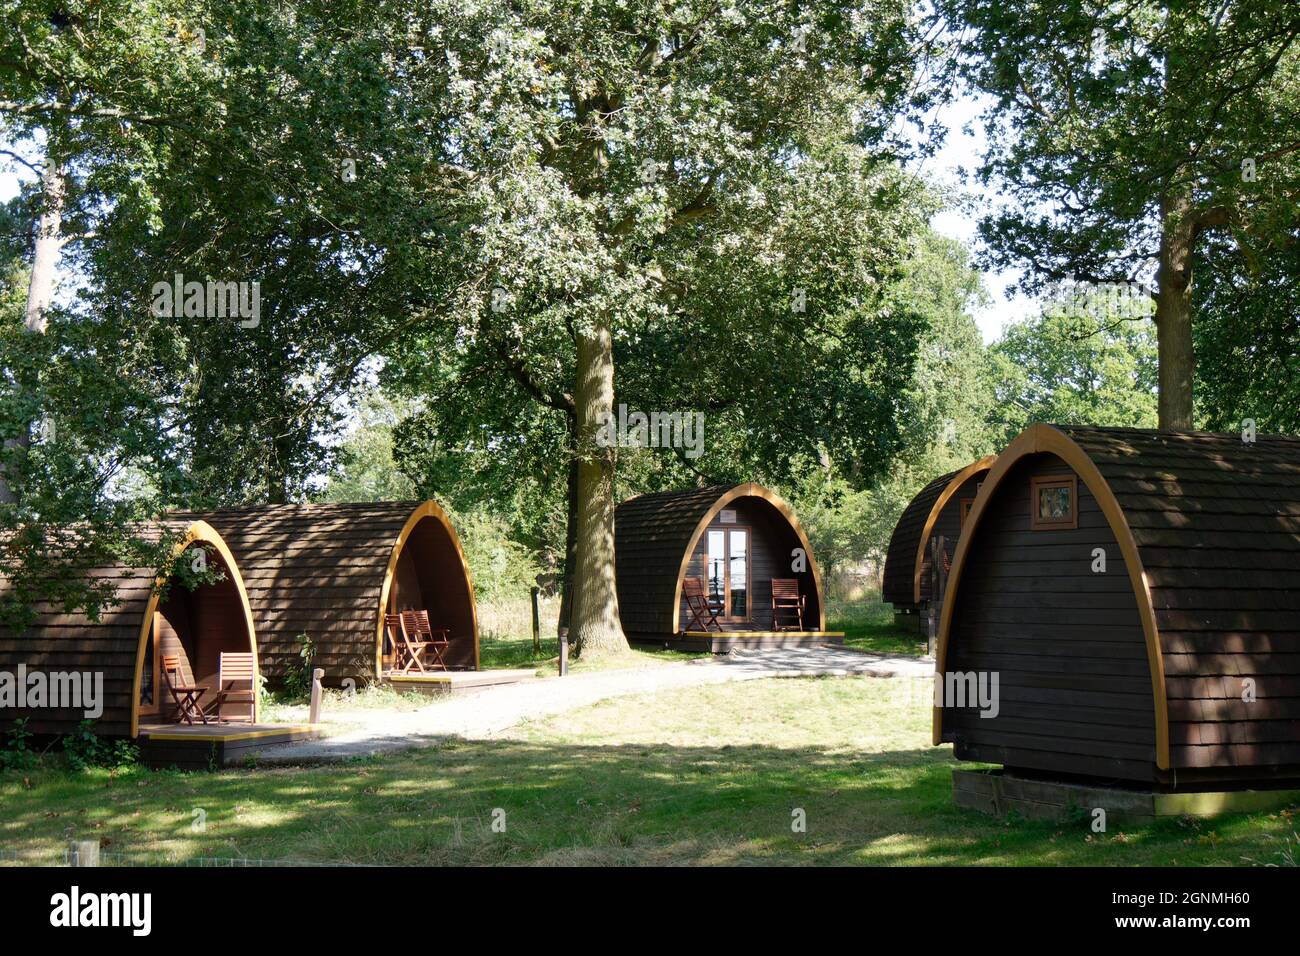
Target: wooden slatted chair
185	696
396	640
704	611
787	602
423	635
236	684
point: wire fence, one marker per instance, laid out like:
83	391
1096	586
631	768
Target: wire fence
80	855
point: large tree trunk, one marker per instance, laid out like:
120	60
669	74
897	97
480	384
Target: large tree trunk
1174	313
596	628
40	289
570	532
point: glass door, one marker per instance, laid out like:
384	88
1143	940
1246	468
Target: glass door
738	574
727	571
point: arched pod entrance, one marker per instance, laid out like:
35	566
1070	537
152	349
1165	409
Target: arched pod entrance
737	540
321	577
194	626
103	658
427	570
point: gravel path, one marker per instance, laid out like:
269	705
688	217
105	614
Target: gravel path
493	709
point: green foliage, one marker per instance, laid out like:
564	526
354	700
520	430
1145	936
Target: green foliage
502	569
82	748
297	683
124	756
1248	360
837	519
1075	366
17	753
1099	113
367	470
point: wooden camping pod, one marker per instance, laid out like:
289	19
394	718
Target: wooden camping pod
939	508
1148	630
327	573
194	625
662	538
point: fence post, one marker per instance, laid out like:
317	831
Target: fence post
564	651
83	853
317	675
537	624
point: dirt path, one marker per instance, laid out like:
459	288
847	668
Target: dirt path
493	709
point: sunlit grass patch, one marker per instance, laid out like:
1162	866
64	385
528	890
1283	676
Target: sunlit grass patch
715	774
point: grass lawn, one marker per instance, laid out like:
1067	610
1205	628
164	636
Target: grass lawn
867	625
704	775
506	652
870	627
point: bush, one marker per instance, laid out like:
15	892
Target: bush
501	567
125	755
17	753
82	748
297	683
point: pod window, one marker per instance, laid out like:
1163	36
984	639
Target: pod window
1054	502
964	509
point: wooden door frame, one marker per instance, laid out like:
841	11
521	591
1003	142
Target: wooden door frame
725	615
155	639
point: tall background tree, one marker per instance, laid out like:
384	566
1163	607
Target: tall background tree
605	166
1126	135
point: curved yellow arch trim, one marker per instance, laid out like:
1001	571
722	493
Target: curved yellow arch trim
198	532
1039	439
749	490
428	509
984	464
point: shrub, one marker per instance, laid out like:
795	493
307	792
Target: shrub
82	748
17	753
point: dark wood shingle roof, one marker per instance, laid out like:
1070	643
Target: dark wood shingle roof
1209	530
652	535
314	571
1216	522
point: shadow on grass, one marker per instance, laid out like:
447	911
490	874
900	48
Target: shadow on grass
506	801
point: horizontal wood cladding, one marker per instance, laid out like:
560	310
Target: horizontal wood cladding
317	572
1216	527
652	534
62	641
1067	646
653	538
900	558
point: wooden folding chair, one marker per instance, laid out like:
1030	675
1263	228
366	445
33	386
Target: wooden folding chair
420	633
703	610
396	640
236	684
185	696
787	602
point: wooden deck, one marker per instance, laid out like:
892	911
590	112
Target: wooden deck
720	642
453	682
209	746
